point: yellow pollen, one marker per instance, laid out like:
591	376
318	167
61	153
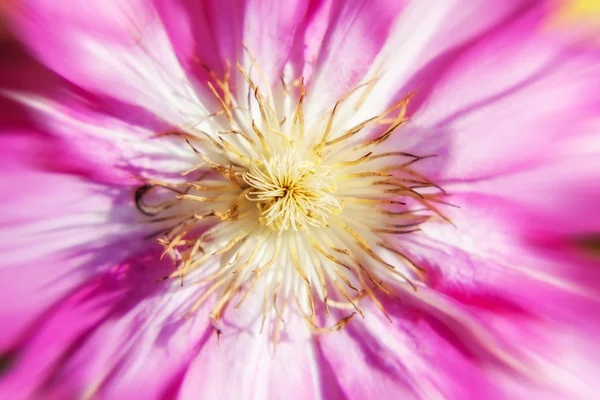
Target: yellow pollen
291	193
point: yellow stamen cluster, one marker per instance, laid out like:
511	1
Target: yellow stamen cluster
296	210
292	193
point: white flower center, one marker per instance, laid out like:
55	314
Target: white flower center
308	212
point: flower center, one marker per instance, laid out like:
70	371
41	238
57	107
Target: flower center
308	210
291	193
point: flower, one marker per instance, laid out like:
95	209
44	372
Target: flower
243	199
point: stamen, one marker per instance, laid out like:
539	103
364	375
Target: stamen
305	209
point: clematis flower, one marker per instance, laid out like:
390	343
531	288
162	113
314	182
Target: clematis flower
320	199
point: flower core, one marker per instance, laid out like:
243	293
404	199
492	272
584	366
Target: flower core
292	193
296	212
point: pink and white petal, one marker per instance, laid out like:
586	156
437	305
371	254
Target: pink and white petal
75	236
565	355
523	357
493	63
556	199
146	345
58	228
126	336
122	149
227	29
517	68
192	36
521	183
212	35
114	48
494	255
302	34
494	265
56	334
542	304
113	141
271	43
530	212
413	356
426	38
340	41
260	370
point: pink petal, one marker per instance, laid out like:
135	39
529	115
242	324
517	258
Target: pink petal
271	42
473	117
496	250
414	356
522	356
533	300
126	148
213	34
259	370
426	38
204	34
53	225
112	148
337	39
125	336
71	320
340	41
111	48
524	352
112	141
